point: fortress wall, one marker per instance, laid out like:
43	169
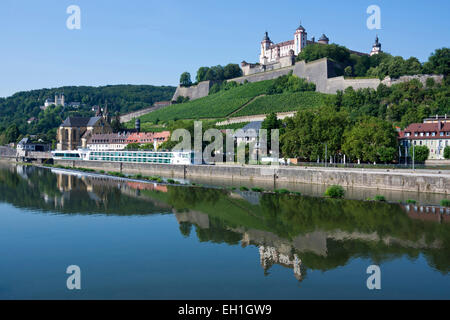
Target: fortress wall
421	77
193	92
315	72
267	75
320	72
340	83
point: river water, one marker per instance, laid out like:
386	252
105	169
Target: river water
136	240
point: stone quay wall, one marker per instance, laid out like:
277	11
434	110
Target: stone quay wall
432	181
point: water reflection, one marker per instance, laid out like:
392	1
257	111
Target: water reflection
300	233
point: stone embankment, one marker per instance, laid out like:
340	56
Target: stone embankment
432	181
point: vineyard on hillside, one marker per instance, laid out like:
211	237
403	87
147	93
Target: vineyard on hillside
217	105
282	103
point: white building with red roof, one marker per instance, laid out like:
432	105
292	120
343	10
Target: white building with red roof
433	133
272	52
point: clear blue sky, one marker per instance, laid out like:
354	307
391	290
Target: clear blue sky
153	42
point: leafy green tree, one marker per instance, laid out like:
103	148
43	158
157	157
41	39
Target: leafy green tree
348	71
370	140
438	62
421	153
386	154
185	79
397	67
309	131
231	71
218	73
201	74
290	83
413	66
146	146
271	122
132	146
210	74
332	51
447	152
361	65
12	133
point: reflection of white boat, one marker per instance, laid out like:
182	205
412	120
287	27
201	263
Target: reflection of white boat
68	172
166	157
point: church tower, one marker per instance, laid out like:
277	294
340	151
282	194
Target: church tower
265	44
300	37
106	115
376	48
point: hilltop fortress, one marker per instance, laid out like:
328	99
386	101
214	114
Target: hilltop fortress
275	56
276	60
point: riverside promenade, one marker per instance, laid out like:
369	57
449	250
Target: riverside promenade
423	180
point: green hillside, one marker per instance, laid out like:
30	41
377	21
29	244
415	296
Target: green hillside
282	103
18	108
246	99
216	105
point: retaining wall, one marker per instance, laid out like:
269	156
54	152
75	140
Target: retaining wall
267	75
130	116
193	92
419	181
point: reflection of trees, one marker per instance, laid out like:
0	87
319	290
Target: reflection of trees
185	228
183	199
40	189
218	233
346	229
379	231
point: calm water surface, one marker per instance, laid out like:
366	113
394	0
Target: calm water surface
137	240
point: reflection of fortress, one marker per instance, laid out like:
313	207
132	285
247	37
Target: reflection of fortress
270	255
287	253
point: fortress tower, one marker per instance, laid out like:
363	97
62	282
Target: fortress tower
265	45
300	37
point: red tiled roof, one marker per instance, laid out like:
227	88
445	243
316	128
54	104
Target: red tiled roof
282	44
426	127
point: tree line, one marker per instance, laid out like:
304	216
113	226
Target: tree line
18	108
215	73
378	65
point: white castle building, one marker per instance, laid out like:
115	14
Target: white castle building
271	52
59	101
274	52
281	55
